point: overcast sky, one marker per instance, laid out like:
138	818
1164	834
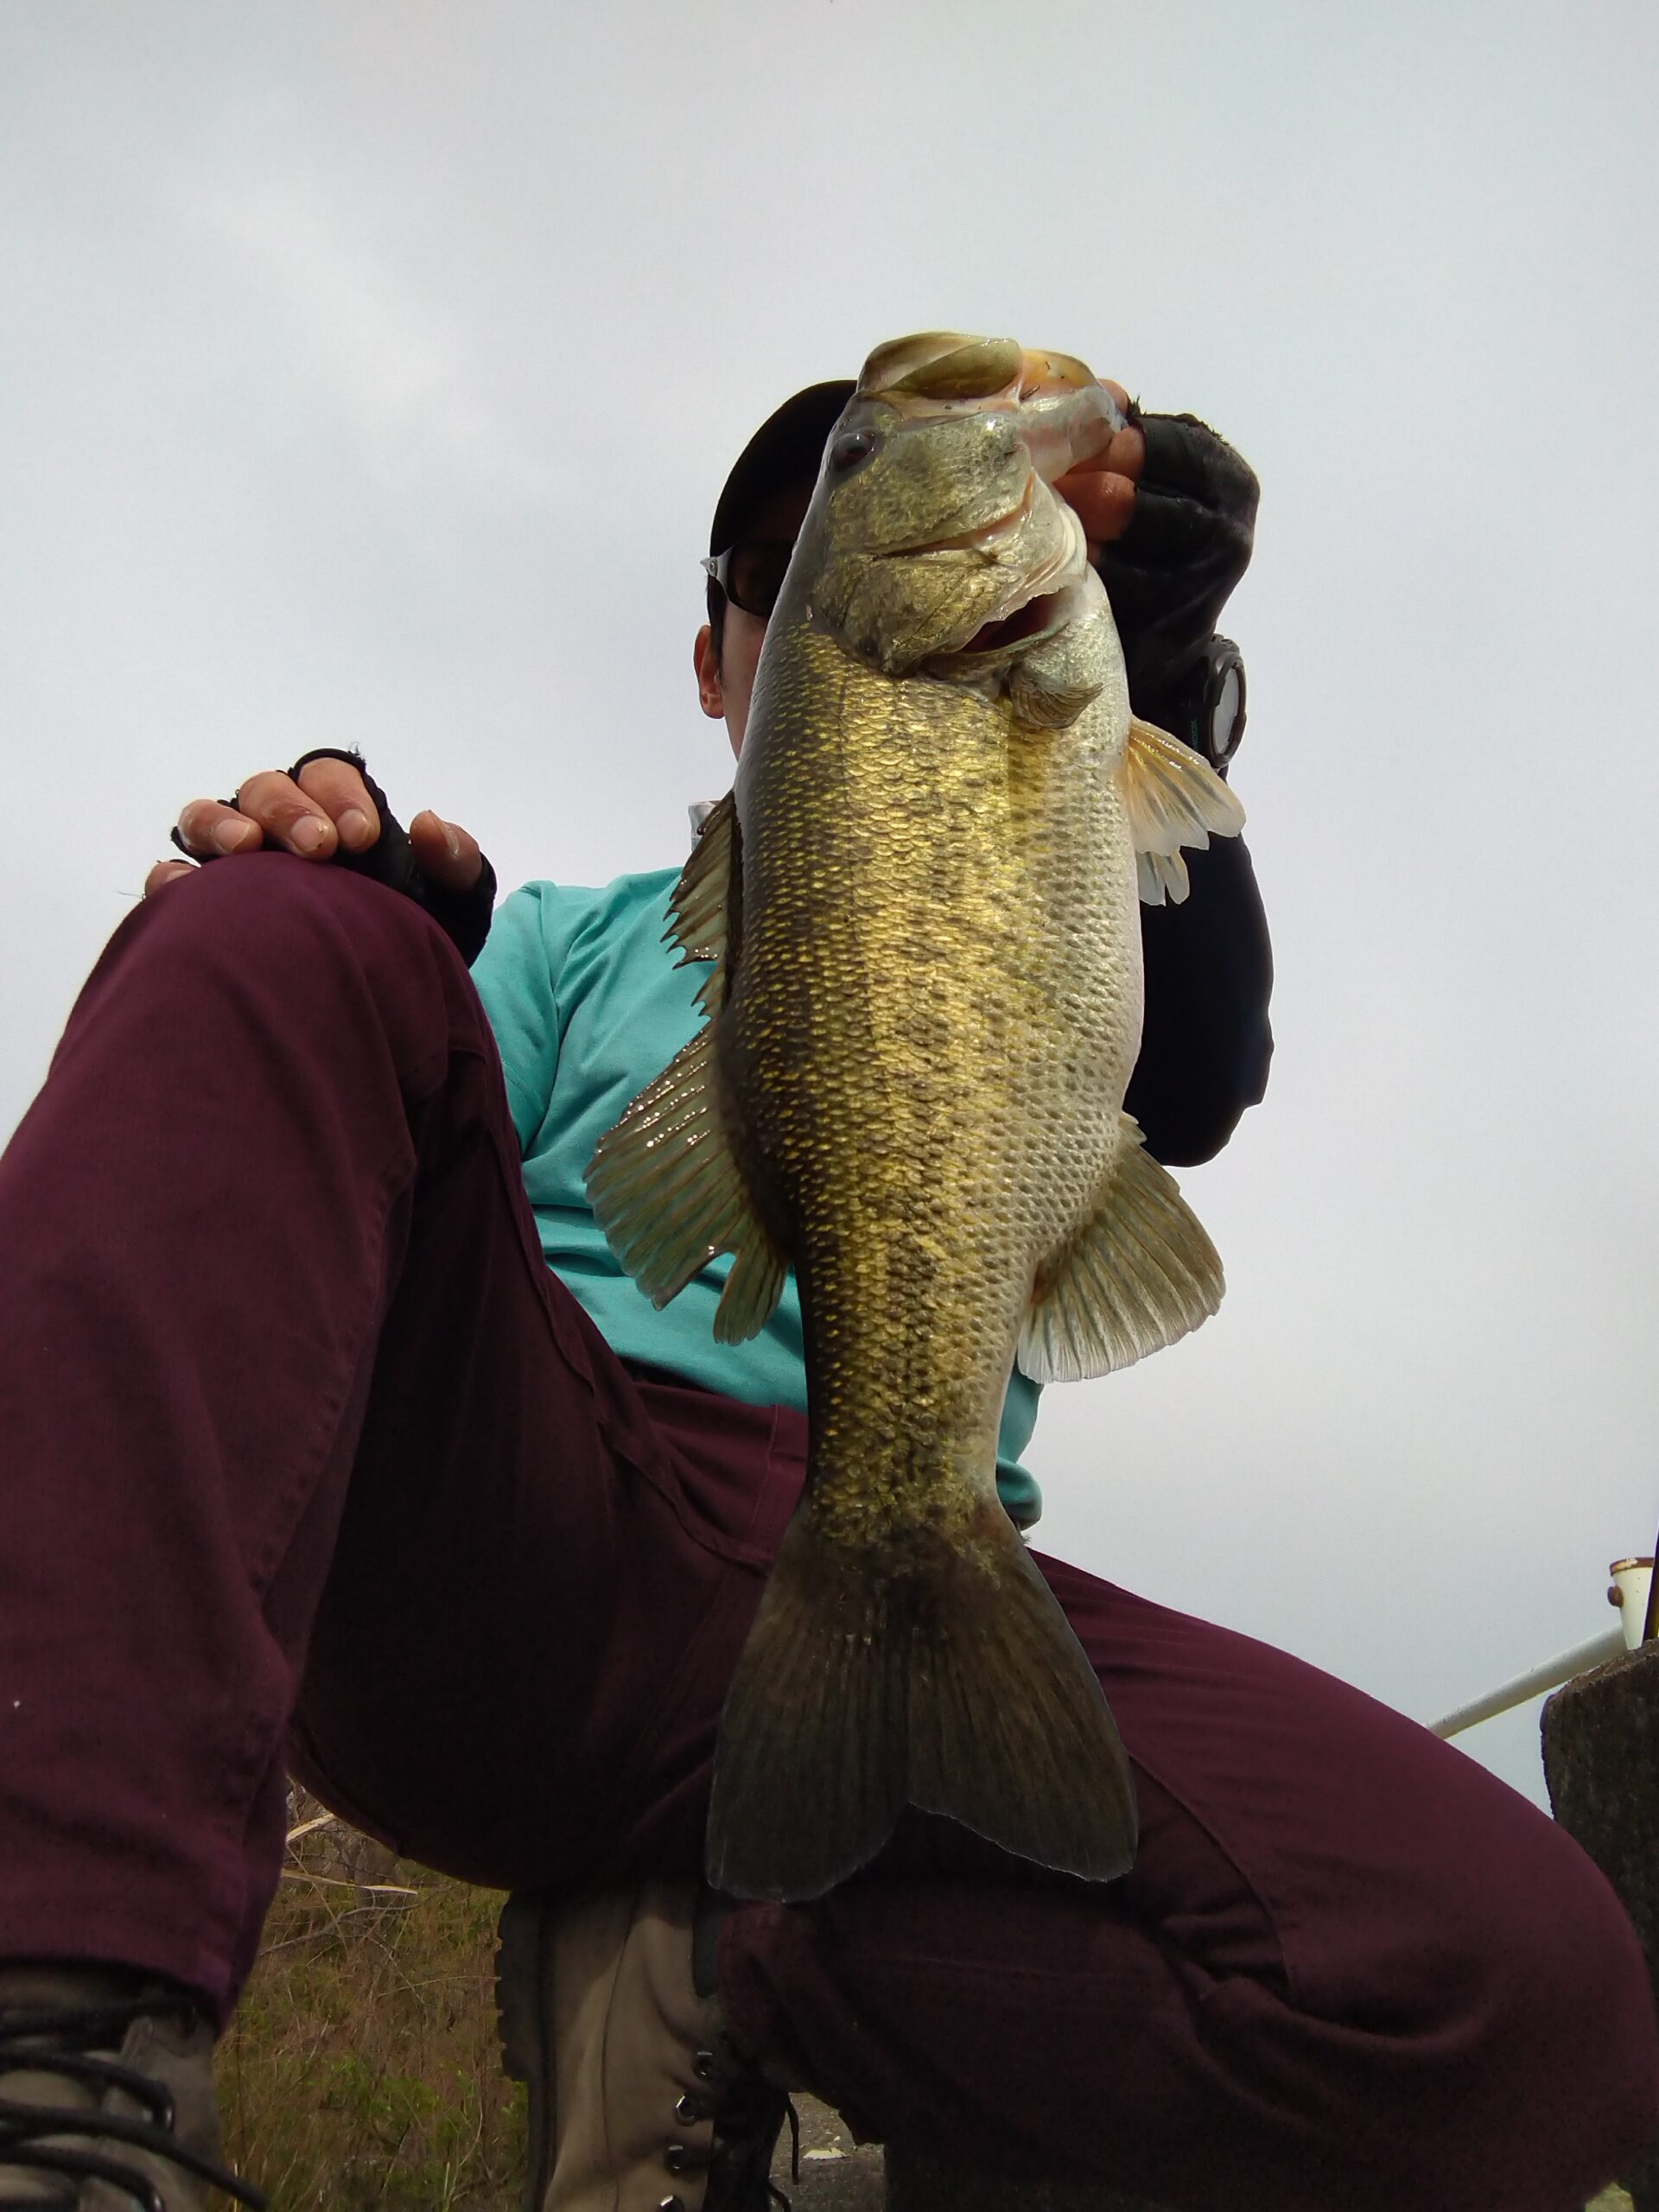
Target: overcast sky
371	370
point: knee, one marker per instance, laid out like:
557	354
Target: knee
277	903
1595	2044
269	946
267	918
1549	2004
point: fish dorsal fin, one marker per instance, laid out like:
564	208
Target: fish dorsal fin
667	1191
1139	1273
1174	798
699	913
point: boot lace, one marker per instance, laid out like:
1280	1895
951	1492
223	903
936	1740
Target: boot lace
62	2043
749	2115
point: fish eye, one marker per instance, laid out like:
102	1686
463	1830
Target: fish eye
849	449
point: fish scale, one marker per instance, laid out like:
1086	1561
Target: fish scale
876	1063
921	897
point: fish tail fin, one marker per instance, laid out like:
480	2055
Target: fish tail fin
1010	1733
953	1682
812	1761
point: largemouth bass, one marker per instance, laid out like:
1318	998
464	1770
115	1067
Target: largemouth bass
920	901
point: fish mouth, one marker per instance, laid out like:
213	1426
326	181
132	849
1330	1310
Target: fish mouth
1040	609
1038	613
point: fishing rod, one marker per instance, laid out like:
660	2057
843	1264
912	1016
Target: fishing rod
1634	1589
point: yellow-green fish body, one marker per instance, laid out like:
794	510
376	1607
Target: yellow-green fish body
923	902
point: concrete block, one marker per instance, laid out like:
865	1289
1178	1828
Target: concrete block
919	2184
838	2175
1601	1763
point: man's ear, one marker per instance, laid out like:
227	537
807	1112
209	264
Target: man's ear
705	660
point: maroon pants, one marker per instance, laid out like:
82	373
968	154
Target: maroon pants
306	1457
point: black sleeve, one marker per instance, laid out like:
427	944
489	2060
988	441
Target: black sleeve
1206	1042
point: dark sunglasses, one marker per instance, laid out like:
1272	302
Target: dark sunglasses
751	573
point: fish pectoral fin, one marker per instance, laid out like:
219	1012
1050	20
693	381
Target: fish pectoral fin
1173	798
1139	1273
667	1192
950	1680
699	913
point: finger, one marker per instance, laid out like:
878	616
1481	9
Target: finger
286	817
1104	504
165	872
341	792
450	855
210	827
1125	455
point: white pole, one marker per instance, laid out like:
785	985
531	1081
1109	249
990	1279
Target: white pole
1554	1672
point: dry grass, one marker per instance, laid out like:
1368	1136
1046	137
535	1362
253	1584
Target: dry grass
363	2069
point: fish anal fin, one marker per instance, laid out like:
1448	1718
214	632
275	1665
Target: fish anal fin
949	1681
1172	798
1139	1273
667	1192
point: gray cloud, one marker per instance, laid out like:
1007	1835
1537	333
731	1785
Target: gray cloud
370	374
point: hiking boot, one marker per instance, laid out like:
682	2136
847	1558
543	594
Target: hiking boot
106	2094
640	2099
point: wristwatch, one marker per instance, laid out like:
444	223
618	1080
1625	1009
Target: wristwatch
1207	711
1221	714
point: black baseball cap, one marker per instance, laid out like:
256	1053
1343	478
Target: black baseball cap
785	449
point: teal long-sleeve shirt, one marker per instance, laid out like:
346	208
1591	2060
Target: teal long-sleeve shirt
588	1006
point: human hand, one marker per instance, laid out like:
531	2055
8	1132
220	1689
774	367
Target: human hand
1169	575
327	811
1102	489
328	807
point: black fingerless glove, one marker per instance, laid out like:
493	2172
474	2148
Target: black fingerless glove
1169	575
463	916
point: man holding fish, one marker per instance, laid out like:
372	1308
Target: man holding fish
445	1510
